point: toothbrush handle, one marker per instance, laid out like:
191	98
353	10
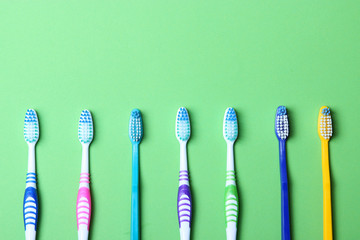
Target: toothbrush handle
134	228
30	207
285	213
184	205
231	205
83	207
326	192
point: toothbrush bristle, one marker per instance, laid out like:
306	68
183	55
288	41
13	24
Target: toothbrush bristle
230	126
182	125
282	123
31	126
86	129
325	123
135	126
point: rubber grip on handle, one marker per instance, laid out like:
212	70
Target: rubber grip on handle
184	203
83	207
231	206
30	207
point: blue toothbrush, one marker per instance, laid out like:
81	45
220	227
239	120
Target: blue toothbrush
135	134
30	205
282	133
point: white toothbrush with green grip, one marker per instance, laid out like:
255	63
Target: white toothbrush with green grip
230	132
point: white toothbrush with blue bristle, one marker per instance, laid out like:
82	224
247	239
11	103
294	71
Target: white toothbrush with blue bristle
83	204
30	205
184	204
230	132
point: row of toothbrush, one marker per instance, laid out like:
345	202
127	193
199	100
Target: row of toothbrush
184	203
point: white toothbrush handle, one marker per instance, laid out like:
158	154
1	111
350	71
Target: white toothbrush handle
30	205
184	196
231	196
83	204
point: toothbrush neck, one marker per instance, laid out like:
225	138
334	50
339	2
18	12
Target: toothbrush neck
31	158
282	144
135	146
85	159
230	157
183	157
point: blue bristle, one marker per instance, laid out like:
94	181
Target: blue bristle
182	125
31	126
281	111
85	131
230	125
326	111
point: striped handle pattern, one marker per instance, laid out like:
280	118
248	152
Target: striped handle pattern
30	207
184	199
231	198
83	204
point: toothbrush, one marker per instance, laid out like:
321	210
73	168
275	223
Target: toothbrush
30	207
83	204
184	205
135	135
325	133
282	133
230	132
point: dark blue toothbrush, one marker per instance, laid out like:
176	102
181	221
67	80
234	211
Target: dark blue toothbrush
282	133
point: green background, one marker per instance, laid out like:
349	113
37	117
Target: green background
60	57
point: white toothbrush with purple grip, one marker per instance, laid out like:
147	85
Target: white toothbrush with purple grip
184	205
30	205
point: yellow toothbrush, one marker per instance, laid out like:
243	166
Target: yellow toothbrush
325	133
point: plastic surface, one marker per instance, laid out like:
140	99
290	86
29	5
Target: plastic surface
184	203
134	228
83	203
30	204
285	214
136	133
327	212
230	133
325	131
282	133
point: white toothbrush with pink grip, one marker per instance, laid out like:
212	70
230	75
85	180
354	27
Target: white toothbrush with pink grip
83	204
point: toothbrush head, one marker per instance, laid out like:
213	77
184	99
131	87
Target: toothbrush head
182	125
281	123
31	126
325	124
230	125
136	131
86	129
